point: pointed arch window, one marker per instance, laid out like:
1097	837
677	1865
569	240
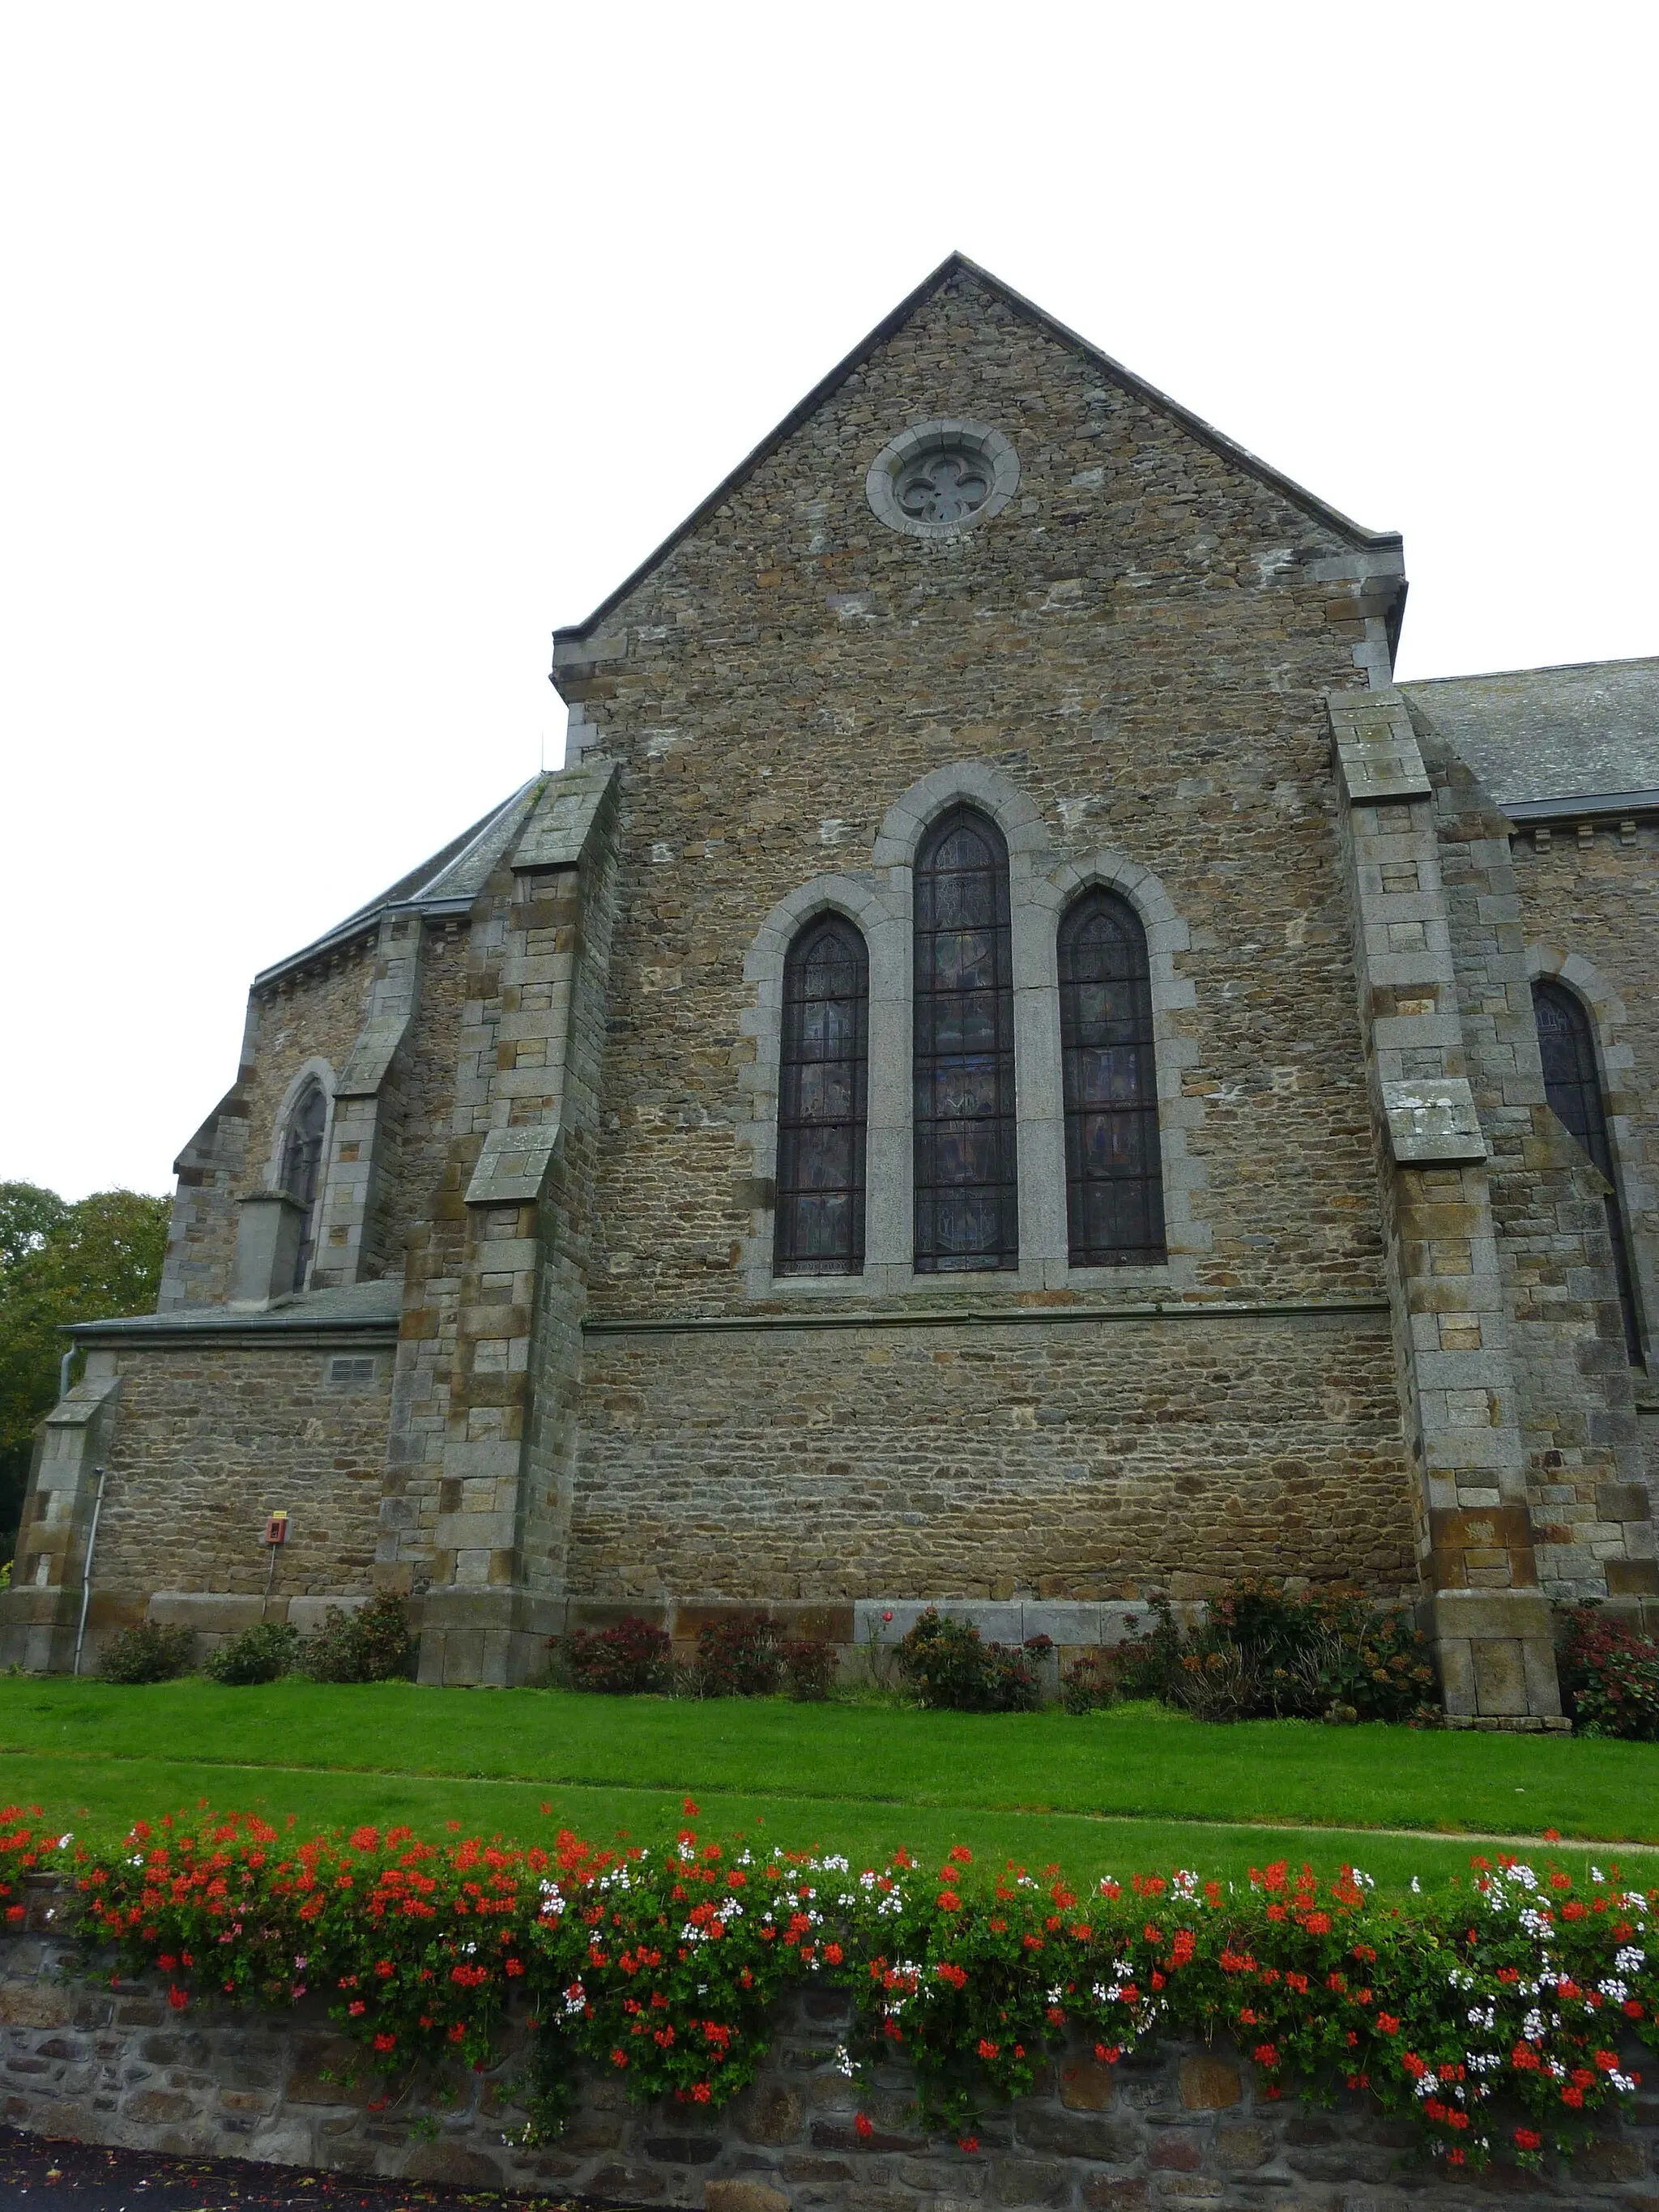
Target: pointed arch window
1114	1175
966	1213
1572	1085
822	1102
302	1162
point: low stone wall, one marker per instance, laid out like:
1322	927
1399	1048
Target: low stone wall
108	2062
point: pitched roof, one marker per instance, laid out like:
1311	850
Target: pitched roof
1588	731
1229	451
447	883
372	1309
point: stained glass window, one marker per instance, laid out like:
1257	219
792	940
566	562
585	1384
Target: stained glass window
302	1160
821	1103
1114	1177
1572	1083
966	1183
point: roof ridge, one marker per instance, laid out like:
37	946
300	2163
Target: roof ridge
1228	448
1549	668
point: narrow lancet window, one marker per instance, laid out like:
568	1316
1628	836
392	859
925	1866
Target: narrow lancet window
967	1192
823	1082
302	1162
1572	1085
1114	1177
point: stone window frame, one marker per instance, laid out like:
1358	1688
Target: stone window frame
321	1072
936	436
1615	1061
880	901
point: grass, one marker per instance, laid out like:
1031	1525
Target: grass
1133	1787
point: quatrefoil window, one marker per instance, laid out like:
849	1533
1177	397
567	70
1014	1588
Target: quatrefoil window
944	487
942	477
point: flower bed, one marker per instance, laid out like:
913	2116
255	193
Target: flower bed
1493	2013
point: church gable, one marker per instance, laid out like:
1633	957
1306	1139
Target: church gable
1118	495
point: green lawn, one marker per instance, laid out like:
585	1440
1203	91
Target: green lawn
1135	1789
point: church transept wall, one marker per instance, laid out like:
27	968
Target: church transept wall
1048	1458
1137	645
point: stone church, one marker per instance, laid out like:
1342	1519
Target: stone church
1013	1064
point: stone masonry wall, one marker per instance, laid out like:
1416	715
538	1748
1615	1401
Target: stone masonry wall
1589	906
314	1013
1592	1528
1593	894
1185	2127
427	1064
1140	643
1139	646
1052	1458
210	1441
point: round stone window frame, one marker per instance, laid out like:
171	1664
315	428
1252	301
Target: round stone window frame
948	433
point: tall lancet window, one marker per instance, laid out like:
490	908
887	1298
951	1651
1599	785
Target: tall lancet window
1114	1177
821	1103
967	1194
1572	1083
302	1165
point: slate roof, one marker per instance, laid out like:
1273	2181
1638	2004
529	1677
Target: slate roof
355	1306
1534	736
1029	310
447	883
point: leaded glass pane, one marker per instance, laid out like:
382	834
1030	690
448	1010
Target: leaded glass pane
302	1160
823	1081
1114	1175
966	1207
1572	1085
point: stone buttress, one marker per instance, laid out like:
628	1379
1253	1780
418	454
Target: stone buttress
1458	1098
477	1485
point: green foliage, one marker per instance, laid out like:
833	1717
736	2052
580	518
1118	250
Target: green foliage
264	1653
1263	1651
372	1644
738	1656
809	1669
1088	1682
658	1964
1027	1784
949	1663
1609	1676
59	1263
147	1653
631	1659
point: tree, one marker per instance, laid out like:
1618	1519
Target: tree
59	1262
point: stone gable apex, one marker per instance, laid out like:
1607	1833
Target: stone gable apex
1383	542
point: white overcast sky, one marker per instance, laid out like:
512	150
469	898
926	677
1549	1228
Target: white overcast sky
349	348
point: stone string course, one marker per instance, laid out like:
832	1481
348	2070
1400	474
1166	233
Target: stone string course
109	2064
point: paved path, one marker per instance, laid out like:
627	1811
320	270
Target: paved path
71	2176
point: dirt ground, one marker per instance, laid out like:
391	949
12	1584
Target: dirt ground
72	2177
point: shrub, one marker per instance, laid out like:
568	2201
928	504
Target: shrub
259	1654
809	1668
371	1644
949	1663
628	1661
738	1656
1609	1676
1089	1682
1266	1652
147	1653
